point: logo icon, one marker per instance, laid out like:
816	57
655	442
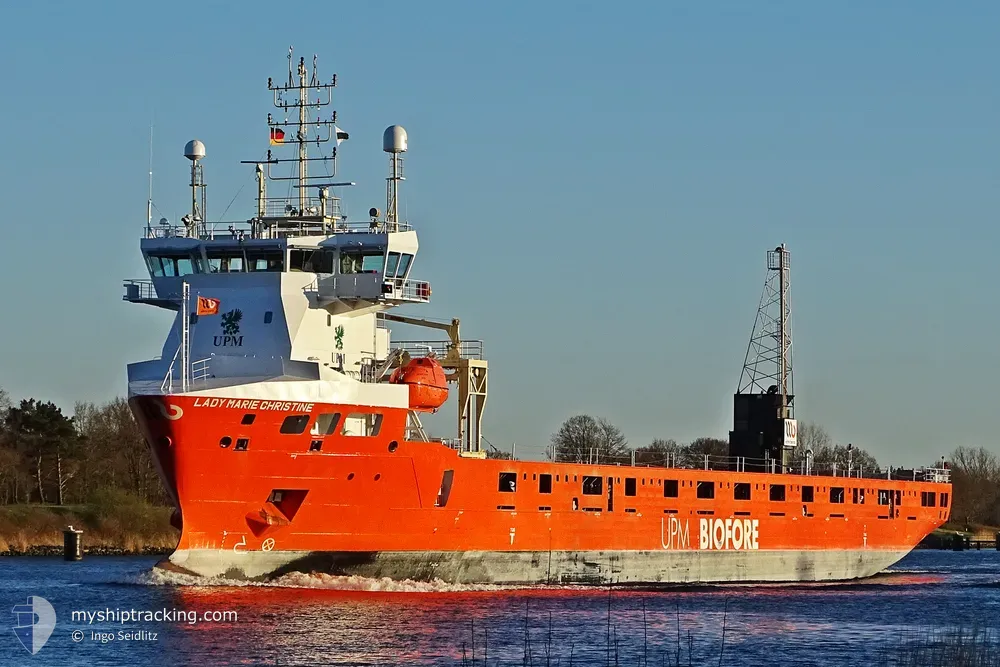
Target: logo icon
338	336
231	322
33	623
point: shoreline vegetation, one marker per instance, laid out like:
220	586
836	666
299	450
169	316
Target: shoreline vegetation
114	523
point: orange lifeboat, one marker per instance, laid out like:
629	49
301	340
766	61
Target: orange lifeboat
427	382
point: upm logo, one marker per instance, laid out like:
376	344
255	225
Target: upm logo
791	433
33	623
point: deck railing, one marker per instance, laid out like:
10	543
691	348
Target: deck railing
798	467
278	227
467	349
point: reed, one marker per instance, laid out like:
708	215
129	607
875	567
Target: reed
113	522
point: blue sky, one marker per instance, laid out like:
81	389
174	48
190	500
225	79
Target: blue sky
595	184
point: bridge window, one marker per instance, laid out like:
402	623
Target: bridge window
391	263
222	260
508	482
361	262
807	494
706	490
630	486
944	500
777	492
741	491
170	266
310	260
670	488
836	494
927	498
404	265
884	496
265	259
591	485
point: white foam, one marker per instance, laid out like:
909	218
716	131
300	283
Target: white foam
159	577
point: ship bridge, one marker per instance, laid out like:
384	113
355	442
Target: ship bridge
350	270
295	298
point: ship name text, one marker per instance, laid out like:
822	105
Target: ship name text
252	404
719	534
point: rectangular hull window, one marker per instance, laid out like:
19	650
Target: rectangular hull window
545	483
592	486
508	482
294	424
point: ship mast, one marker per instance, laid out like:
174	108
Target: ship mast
764	433
294	95
768	364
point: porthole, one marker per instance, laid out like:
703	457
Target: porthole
393	446
378	476
225	441
350	476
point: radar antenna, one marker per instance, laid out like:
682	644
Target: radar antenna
394	142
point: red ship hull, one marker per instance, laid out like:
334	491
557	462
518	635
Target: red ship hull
257	503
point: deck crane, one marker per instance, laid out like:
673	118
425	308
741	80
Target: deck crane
468	370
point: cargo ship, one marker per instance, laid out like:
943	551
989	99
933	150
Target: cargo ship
285	420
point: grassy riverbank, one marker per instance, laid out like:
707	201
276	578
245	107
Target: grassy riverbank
113	523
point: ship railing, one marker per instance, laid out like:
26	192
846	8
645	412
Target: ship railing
369	286
167	386
199	370
411	290
139	290
199	374
769	465
939	475
284	207
279	227
467	349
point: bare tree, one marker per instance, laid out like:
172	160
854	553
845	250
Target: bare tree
976	483
583	438
659	453
811	437
699	448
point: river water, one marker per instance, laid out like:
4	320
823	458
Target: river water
321	620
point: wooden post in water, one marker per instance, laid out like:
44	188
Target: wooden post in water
72	544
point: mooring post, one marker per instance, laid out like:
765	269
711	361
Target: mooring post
72	544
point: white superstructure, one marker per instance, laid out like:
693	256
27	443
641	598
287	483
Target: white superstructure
291	303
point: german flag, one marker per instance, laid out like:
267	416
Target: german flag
277	135
208	306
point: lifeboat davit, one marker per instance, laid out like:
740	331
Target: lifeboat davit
427	382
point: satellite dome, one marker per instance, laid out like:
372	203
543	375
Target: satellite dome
194	150
394	139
